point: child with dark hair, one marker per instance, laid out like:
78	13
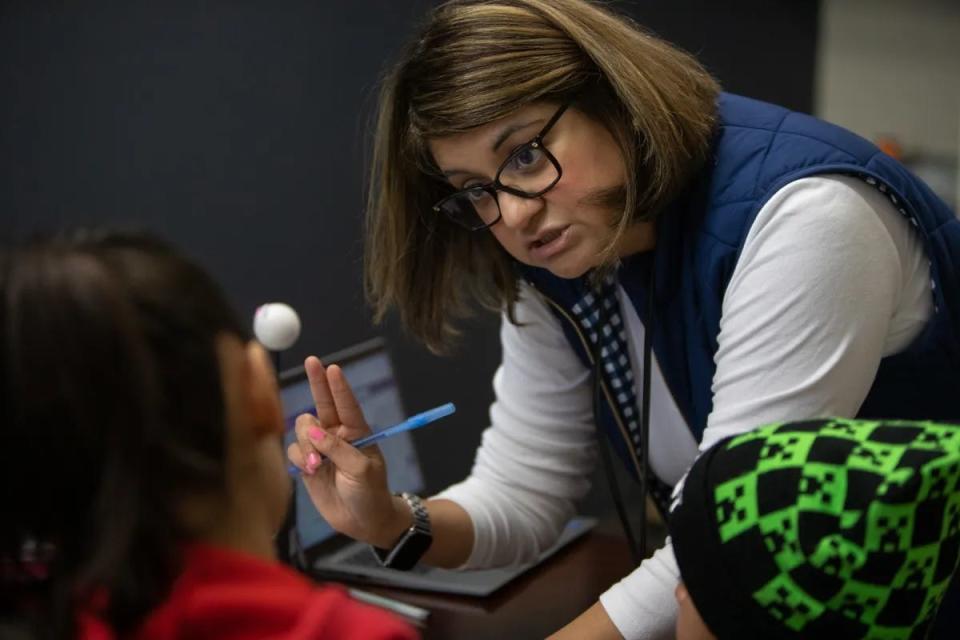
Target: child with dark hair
140	457
821	529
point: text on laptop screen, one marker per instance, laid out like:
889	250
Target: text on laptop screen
373	382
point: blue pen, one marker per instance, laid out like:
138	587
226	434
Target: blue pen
411	423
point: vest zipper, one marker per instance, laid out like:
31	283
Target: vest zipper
603	383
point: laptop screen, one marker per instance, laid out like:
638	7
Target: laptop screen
369	371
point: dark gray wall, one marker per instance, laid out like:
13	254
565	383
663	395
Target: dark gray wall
765	49
237	130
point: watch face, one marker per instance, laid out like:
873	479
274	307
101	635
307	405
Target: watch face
415	541
409	550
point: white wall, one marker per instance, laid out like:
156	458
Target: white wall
892	67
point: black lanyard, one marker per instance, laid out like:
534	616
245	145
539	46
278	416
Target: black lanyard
637	551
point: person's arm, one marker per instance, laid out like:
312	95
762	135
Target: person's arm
534	461
350	490
594	623
452	532
642	605
829	280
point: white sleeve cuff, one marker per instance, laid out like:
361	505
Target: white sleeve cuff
642	605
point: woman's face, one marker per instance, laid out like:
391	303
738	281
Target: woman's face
690	625
565	229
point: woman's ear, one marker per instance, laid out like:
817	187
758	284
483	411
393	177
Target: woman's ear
263	396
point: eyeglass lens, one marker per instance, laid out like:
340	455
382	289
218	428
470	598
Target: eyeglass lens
528	170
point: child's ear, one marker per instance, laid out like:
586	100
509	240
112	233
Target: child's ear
266	414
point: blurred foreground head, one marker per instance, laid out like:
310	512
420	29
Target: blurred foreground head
822	529
113	412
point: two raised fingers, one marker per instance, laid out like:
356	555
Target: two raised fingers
334	400
336	407
351	415
320	389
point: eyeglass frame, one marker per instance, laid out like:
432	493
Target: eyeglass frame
495	185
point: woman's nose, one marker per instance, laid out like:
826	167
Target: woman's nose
517	212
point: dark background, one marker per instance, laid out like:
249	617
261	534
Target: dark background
239	130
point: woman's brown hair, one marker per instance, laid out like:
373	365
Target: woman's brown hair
477	61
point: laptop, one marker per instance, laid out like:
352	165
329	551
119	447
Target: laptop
321	551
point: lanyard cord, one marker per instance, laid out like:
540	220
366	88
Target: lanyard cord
637	552
645	404
608	466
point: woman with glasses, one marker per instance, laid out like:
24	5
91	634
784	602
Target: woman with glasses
674	265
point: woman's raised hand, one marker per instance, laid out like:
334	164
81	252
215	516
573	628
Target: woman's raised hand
349	488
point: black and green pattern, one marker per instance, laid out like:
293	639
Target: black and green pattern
830	525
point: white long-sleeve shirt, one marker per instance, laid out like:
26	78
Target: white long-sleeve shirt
830	280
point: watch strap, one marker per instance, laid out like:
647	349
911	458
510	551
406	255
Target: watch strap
413	543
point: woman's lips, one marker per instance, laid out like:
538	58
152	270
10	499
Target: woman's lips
550	243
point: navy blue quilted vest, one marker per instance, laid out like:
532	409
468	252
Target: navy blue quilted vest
759	148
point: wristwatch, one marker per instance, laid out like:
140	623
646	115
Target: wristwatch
414	542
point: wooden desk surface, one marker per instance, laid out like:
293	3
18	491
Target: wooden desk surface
534	605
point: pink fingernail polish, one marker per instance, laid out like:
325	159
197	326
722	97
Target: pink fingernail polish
312	461
317	434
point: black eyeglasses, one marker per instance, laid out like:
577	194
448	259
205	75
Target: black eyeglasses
529	172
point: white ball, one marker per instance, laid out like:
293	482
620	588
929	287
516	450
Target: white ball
276	325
